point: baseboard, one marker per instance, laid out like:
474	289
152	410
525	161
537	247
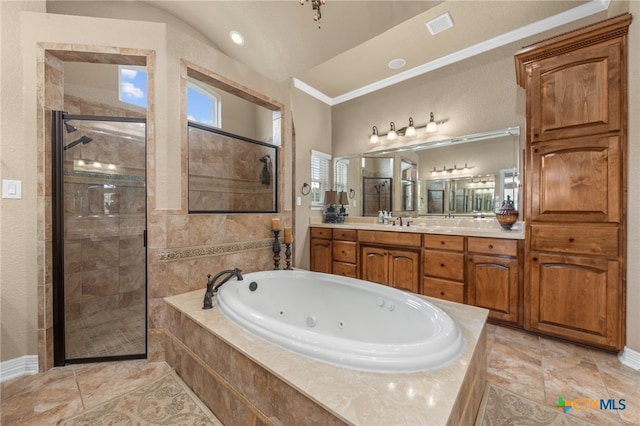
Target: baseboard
18	367
630	358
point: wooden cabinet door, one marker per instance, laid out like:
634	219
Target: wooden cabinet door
404	270
575	297
375	265
576	93
321	255
576	180
492	283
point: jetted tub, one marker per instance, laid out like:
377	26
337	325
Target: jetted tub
343	321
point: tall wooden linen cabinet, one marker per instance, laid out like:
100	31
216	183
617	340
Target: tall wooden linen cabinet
576	183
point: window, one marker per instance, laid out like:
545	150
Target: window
132	85
340	171
319	178
203	104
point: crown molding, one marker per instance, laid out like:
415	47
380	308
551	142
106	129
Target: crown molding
582	11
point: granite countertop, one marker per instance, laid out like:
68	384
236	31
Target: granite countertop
469	227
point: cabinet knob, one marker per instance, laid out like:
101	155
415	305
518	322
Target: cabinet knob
442	265
490	246
535	259
571	239
442	293
535	150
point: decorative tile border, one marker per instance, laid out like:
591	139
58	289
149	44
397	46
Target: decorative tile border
217	250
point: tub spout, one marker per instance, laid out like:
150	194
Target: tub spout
212	287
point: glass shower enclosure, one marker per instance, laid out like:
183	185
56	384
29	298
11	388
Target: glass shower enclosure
99	238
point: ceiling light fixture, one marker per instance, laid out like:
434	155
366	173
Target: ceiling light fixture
237	38
374	136
396	64
315	4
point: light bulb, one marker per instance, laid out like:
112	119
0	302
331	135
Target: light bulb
374	136
392	135
432	126
411	130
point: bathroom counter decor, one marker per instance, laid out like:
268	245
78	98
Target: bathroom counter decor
241	376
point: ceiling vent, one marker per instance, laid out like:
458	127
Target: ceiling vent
439	24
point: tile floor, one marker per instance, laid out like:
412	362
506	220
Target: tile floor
107	333
539	368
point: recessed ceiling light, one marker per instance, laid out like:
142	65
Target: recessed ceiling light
237	38
396	64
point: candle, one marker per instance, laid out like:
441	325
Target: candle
275	223
287	234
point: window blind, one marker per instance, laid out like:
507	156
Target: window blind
319	177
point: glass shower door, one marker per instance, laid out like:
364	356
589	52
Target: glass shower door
100	280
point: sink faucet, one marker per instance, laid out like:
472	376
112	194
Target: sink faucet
400	220
213	288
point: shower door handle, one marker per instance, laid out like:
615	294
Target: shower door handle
144	238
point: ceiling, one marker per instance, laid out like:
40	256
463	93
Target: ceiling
349	55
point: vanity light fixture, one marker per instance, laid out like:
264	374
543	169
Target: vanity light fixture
409	131
452	170
374	139
392	135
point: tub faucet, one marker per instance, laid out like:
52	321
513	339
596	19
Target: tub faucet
213	288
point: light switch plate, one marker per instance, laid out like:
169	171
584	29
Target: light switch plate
11	188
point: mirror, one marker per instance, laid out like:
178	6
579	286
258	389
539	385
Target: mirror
468	175
377	185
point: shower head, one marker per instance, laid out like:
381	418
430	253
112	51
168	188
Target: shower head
84	140
70	127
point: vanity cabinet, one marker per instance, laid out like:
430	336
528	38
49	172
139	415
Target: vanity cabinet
384	261
344	252
576	183
321	250
443	267
493	277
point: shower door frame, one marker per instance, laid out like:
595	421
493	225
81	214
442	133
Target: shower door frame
58	232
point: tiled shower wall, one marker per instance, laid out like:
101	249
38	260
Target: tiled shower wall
181	248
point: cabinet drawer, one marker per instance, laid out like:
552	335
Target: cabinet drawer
344	251
443	264
344	269
320	232
390	238
493	246
443	242
345	234
443	289
579	239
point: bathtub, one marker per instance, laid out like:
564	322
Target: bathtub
343	321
